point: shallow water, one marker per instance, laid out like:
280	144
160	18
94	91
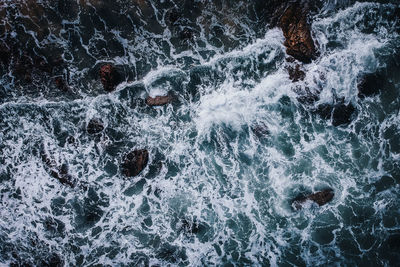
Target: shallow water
214	191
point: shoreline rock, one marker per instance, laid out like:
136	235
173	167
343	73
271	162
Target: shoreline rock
320	198
158	100
297	31
109	77
134	162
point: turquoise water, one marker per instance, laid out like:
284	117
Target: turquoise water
214	192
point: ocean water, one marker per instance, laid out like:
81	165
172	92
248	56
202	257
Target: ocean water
215	191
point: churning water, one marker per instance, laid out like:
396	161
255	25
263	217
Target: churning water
215	190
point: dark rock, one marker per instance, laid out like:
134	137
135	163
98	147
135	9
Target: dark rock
186	34
321	198
109	77
296	74
260	130
173	16
369	84
68	8
5	55
325	111
342	114
95	126
134	162
394	241
158	100
61	84
58	172
23	67
297	31
28	63
306	96
53	260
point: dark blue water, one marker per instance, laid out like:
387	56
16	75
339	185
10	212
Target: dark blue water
226	157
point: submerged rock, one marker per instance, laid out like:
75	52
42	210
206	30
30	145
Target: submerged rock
297	31
306	96
158	100
296	74
369	84
321	198
109	77
134	162
340	113
95	126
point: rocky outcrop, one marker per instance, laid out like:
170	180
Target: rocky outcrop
369	84
58	172
134	162
158	100
321	198
297	31
95	126
109	77
296	73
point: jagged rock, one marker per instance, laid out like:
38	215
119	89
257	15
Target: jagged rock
95	126
321	198
298	40
158	100
134	162
295	73
109	77
342	114
369	84
58	172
